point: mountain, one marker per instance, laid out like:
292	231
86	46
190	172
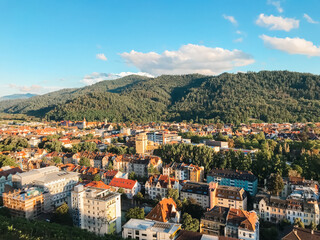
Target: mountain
17	96
270	96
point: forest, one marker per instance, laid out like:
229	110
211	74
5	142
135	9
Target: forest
266	96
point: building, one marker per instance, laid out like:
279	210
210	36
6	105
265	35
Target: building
165	211
214	221
58	183
200	192
130	187
141	143
28	203
234	178
157	186
302	233
242	224
150	230
226	196
6	174
96	209
182	171
189	235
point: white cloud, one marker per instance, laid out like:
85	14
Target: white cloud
309	19
277	4
34	88
188	59
292	45
101	56
277	23
98	77
238	40
230	19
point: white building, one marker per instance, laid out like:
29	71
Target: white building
150	230
97	210
6	176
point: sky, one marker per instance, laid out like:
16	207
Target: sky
50	45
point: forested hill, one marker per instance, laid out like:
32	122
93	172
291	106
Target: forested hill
270	96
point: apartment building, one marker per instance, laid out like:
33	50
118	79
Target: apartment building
150	230
6	174
200	192
130	187
242	225
235	178
157	186
165	211
226	196
58	183
182	171
28	202
214	221
292	184
96	210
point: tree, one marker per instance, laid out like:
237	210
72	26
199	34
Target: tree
84	161
62	216
136	213
7	161
132	175
275	184
189	223
139	196
173	193
56	160
313	226
153	170
298	222
97	177
120	190
54	146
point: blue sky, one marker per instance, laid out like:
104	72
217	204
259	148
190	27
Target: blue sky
49	45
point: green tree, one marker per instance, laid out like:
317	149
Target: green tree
62	216
97	177
173	193
7	161
189	223
84	161
136	213
56	160
298	222
132	176
275	184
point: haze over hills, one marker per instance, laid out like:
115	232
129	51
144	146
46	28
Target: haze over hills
17	96
270	96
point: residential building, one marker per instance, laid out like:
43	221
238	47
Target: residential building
182	171
6	174
214	221
165	211
28	202
157	186
235	178
96	209
200	192
130	187
242	224
189	235
150	230
302	233
141	143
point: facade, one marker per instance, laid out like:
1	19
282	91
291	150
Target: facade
96	210
130	187
242	224
200	192
28	203
157	186
226	196
6	177
214	221
150	230
234	178
182	171
141	143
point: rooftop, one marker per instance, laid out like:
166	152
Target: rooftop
140	224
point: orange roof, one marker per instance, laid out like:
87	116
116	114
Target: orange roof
123	183
98	184
163	211
243	218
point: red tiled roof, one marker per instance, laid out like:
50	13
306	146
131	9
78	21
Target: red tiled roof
98	184
122	183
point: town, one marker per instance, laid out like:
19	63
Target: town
164	180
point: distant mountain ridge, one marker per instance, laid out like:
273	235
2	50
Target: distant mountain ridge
17	96
270	96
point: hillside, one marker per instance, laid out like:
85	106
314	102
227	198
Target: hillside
17	96
271	96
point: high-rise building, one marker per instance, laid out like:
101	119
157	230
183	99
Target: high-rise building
97	210
141	143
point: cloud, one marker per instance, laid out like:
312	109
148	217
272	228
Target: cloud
188	59
238	40
292	45
98	77
277	23
230	19
309	19
101	56
277	4
34	88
